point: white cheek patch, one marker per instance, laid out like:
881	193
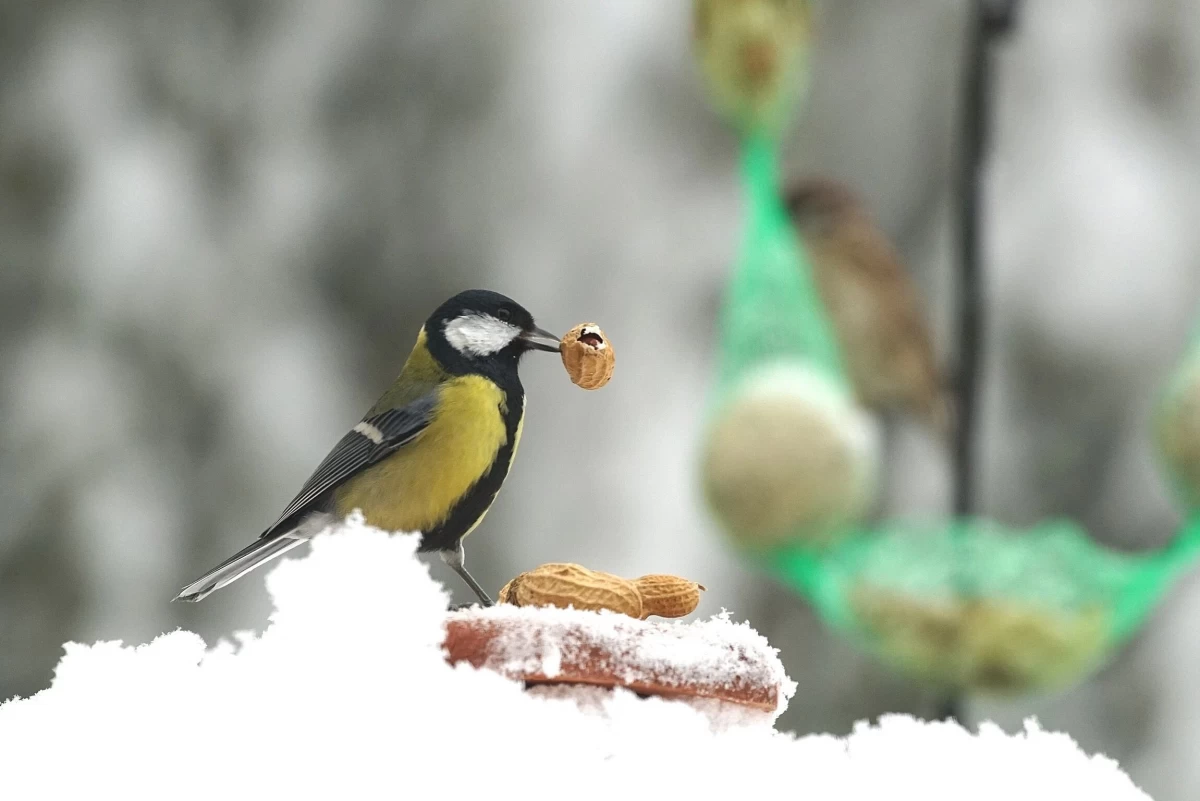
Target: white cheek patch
480	334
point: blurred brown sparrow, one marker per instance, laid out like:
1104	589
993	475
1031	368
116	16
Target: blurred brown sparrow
872	303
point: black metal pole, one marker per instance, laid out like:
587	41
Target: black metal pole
990	19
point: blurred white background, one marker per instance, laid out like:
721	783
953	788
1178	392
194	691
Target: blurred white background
222	224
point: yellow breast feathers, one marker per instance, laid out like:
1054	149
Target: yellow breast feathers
416	488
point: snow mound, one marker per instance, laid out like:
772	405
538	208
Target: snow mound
347	694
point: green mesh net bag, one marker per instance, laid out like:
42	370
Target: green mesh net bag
975	607
754	58
787	454
789	466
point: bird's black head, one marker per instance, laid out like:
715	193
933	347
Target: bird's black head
479	331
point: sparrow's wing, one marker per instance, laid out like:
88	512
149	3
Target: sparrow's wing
364	445
869	257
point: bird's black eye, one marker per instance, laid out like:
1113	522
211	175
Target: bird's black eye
504	314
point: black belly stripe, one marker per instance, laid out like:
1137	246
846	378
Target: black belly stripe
476	502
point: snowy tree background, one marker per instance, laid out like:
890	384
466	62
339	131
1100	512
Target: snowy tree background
222	224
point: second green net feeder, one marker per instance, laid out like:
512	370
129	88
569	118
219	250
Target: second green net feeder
1044	606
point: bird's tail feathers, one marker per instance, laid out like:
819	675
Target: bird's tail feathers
254	555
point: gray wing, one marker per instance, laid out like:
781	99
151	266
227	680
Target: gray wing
366	444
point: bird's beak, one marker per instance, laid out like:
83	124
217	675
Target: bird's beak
537	339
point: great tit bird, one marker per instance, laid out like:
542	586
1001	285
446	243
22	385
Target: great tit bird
432	452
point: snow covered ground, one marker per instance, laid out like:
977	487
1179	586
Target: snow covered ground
346	694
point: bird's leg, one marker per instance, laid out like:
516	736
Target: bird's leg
456	560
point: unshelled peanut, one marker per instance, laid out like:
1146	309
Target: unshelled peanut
564	584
